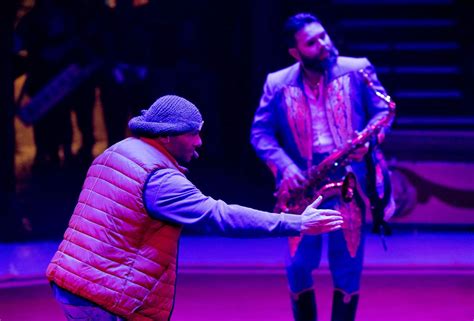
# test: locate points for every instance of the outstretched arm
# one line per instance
(171, 197)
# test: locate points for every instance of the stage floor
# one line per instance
(251, 297)
(424, 275)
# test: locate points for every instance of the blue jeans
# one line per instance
(87, 313)
(78, 308)
(346, 271)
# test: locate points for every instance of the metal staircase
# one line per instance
(420, 54)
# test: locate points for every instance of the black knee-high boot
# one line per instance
(344, 306)
(304, 306)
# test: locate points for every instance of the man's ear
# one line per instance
(294, 53)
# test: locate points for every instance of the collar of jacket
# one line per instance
(337, 68)
(164, 151)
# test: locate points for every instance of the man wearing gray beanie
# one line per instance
(117, 260)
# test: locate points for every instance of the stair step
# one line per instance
(394, 2)
(396, 23)
(408, 9)
(427, 46)
(438, 94)
(425, 70)
(404, 58)
(447, 121)
(415, 34)
(421, 85)
(405, 46)
(432, 108)
(421, 78)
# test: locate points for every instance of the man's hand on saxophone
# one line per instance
(293, 178)
(315, 221)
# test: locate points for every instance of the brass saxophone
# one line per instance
(318, 176)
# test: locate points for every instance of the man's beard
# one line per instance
(318, 65)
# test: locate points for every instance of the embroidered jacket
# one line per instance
(282, 131)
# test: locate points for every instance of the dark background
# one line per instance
(221, 52)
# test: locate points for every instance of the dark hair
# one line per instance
(294, 24)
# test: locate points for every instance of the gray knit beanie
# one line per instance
(168, 116)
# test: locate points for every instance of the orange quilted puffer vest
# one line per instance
(113, 253)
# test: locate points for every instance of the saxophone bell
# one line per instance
(345, 188)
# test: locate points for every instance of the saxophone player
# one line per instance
(307, 111)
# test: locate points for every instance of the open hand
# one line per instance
(315, 221)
